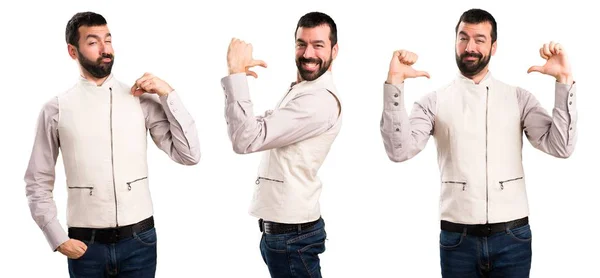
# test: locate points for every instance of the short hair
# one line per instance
(475, 16)
(314, 19)
(78, 20)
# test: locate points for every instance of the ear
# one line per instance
(72, 51)
(334, 51)
(494, 46)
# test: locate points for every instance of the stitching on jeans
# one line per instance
(513, 236)
(305, 236)
(302, 258)
(462, 237)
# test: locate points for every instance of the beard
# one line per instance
(98, 68)
(312, 75)
(472, 68)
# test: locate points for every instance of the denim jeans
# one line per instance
(294, 254)
(132, 257)
(505, 254)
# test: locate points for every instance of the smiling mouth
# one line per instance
(310, 66)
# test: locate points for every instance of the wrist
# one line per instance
(235, 70)
(394, 79)
(566, 78)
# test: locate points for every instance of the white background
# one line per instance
(381, 217)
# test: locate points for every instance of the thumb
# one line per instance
(251, 73)
(258, 63)
(535, 68)
(422, 74)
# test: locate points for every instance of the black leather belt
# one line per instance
(483, 229)
(111, 235)
(274, 228)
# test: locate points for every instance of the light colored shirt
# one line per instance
(171, 127)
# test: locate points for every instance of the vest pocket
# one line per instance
(258, 180)
(129, 183)
(458, 183)
(502, 183)
(90, 188)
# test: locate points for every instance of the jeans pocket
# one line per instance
(275, 243)
(450, 240)
(521, 234)
(147, 238)
(309, 254)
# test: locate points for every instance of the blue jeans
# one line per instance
(132, 257)
(294, 254)
(504, 254)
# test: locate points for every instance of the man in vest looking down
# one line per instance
(295, 138)
(100, 125)
(478, 123)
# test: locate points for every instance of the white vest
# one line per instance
(478, 135)
(102, 134)
(287, 188)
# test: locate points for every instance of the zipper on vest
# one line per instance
(112, 157)
(464, 184)
(502, 182)
(487, 194)
(85, 187)
(261, 178)
(134, 181)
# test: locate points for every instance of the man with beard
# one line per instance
(295, 137)
(478, 123)
(100, 126)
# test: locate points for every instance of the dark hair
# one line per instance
(78, 20)
(314, 19)
(475, 16)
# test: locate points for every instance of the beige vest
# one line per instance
(287, 188)
(102, 135)
(479, 140)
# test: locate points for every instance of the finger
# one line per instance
(403, 54)
(536, 69)
(551, 47)
(542, 54)
(142, 79)
(258, 63)
(422, 74)
(251, 73)
(138, 92)
(557, 49)
(396, 54)
(547, 51)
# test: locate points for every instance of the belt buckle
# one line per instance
(114, 236)
(486, 230)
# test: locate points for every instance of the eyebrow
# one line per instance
(313, 42)
(477, 35)
(97, 37)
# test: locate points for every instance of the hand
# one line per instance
(557, 64)
(149, 83)
(401, 67)
(239, 58)
(72, 248)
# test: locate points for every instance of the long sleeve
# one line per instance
(404, 136)
(40, 176)
(172, 128)
(554, 135)
(307, 115)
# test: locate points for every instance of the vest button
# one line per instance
(395, 104)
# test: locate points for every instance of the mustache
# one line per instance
(105, 55)
(468, 54)
(310, 60)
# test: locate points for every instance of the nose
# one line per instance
(471, 46)
(309, 52)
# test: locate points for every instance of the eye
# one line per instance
(109, 42)
(463, 39)
(319, 46)
(91, 43)
(480, 41)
